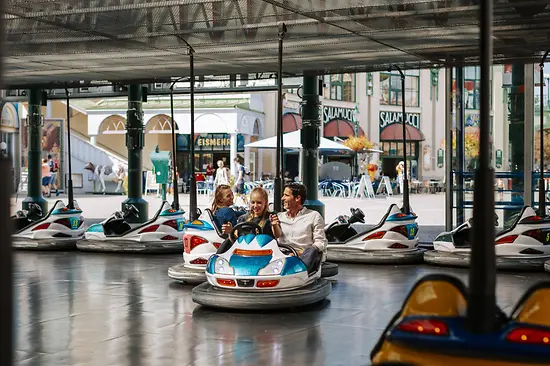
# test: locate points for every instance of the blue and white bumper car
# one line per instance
(251, 272)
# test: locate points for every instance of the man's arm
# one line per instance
(319, 238)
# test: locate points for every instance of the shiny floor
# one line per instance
(98, 309)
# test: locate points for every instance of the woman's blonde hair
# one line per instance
(264, 216)
(218, 197)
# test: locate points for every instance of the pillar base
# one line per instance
(143, 208)
(316, 205)
(38, 200)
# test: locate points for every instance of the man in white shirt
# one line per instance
(302, 228)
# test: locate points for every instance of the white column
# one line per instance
(93, 139)
(233, 152)
(246, 152)
(49, 111)
(259, 163)
(300, 165)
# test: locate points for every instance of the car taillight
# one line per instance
(377, 235)
(535, 234)
(401, 230)
(195, 241)
(529, 335)
(172, 223)
(424, 326)
(168, 237)
(507, 239)
(64, 222)
(149, 229)
(267, 283)
(228, 283)
(199, 261)
(398, 246)
(217, 245)
(43, 226)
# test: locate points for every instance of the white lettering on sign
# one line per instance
(202, 141)
(331, 113)
(387, 118)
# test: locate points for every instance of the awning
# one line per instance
(292, 122)
(394, 132)
(341, 128)
(291, 140)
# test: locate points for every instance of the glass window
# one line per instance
(391, 91)
(341, 87)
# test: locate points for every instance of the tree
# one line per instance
(358, 144)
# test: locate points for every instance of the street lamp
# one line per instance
(406, 208)
(176, 203)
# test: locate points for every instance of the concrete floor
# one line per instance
(99, 309)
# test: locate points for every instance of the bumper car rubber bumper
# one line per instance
(515, 263)
(44, 244)
(182, 274)
(129, 246)
(547, 266)
(398, 256)
(207, 295)
(329, 269)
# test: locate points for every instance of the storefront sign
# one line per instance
(387, 118)
(440, 158)
(498, 158)
(331, 113)
(213, 142)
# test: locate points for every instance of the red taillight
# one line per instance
(172, 223)
(267, 283)
(398, 246)
(64, 222)
(507, 239)
(149, 229)
(217, 245)
(532, 218)
(535, 234)
(401, 230)
(377, 235)
(424, 326)
(192, 242)
(168, 237)
(199, 261)
(529, 335)
(42, 227)
(228, 283)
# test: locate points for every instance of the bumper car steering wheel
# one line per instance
(131, 210)
(244, 228)
(288, 250)
(359, 215)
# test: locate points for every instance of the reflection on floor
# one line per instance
(95, 309)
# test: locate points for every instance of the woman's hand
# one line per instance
(226, 228)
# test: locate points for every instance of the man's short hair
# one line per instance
(298, 189)
(49, 156)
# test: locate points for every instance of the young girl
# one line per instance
(221, 207)
(259, 214)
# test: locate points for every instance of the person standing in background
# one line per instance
(46, 178)
(54, 168)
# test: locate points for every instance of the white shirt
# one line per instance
(307, 228)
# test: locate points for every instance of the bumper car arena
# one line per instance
(322, 195)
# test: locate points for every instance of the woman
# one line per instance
(222, 178)
(221, 207)
(258, 214)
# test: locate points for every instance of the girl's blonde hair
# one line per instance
(264, 216)
(218, 197)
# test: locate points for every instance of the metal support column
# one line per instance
(542, 185)
(135, 139)
(449, 148)
(459, 145)
(310, 138)
(6, 271)
(278, 181)
(193, 180)
(528, 152)
(482, 300)
(34, 131)
(517, 135)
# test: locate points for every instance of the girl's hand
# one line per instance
(274, 220)
(226, 228)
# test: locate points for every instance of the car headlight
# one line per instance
(222, 267)
(273, 268)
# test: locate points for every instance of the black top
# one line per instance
(266, 229)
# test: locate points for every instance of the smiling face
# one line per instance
(258, 203)
(290, 202)
(227, 197)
